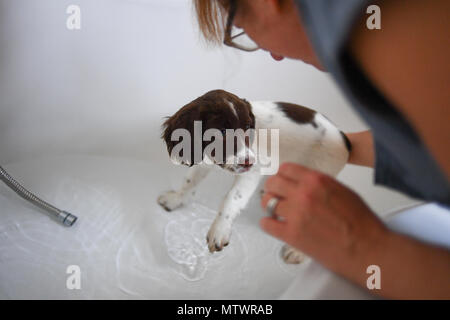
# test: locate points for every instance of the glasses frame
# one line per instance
(228, 39)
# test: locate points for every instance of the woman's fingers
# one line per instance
(279, 186)
(273, 227)
(292, 171)
(282, 207)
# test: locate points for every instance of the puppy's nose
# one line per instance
(248, 161)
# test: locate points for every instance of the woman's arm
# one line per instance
(408, 60)
(411, 269)
(331, 223)
(362, 153)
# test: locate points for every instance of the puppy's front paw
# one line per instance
(170, 200)
(291, 255)
(219, 235)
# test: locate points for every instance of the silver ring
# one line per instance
(271, 205)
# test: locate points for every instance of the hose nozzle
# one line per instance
(64, 217)
(67, 218)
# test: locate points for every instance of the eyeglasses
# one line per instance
(234, 37)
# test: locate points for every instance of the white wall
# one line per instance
(105, 88)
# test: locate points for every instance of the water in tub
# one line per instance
(124, 244)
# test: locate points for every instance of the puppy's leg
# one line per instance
(171, 200)
(291, 255)
(235, 201)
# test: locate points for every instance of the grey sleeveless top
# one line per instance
(402, 161)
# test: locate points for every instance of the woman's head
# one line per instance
(274, 25)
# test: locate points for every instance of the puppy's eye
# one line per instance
(247, 126)
(224, 132)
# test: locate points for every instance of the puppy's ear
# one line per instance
(183, 119)
(167, 129)
(169, 125)
(250, 111)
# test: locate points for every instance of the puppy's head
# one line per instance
(220, 127)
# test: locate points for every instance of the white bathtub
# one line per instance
(80, 114)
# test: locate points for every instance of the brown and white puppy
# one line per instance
(219, 110)
(235, 126)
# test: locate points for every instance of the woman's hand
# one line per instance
(331, 223)
(324, 219)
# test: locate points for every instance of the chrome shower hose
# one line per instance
(64, 217)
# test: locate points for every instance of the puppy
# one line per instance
(304, 136)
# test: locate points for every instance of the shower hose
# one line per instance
(63, 217)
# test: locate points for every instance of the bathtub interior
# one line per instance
(126, 245)
(80, 118)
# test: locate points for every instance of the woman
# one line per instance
(398, 79)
